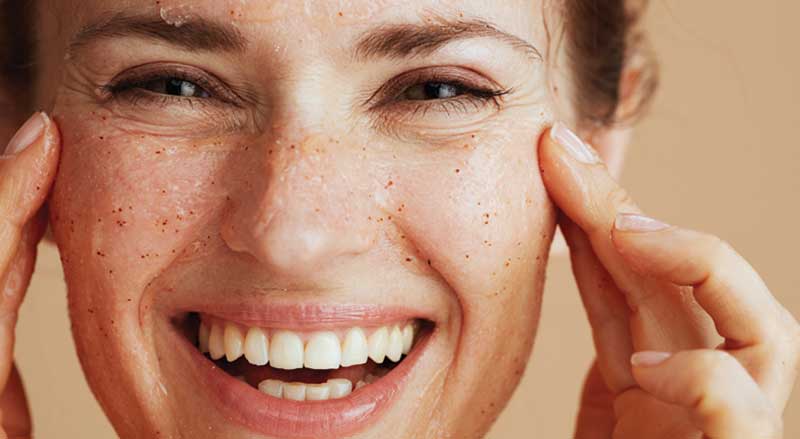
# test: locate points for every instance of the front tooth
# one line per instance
(408, 338)
(323, 351)
(355, 349)
(294, 391)
(394, 349)
(378, 341)
(286, 351)
(340, 387)
(233, 339)
(256, 347)
(271, 387)
(202, 337)
(317, 392)
(216, 346)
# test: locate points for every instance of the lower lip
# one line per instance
(272, 416)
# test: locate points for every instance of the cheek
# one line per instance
(123, 204)
(480, 215)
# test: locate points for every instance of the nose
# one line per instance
(302, 209)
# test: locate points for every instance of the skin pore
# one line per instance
(315, 158)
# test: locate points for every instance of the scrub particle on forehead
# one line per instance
(174, 16)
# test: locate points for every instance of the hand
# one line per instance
(720, 354)
(27, 169)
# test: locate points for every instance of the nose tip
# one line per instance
(302, 213)
(296, 246)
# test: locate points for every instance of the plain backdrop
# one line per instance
(717, 152)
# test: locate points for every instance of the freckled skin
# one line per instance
(153, 205)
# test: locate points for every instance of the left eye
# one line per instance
(175, 87)
(432, 90)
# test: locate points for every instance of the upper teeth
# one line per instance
(284, 349)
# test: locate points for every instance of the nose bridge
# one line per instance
(304, 212)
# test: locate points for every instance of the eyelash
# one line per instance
(132, 88)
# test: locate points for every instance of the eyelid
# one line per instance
(134, 77)
(467, 78)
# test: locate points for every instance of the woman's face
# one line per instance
(285, 172)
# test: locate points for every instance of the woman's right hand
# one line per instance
(27, 169)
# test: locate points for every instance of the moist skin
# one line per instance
(296, 197)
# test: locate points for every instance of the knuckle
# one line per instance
(711, 363)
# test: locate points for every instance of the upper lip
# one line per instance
(303, 315)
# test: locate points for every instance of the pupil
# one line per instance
(174, 87)
(439, 90)
(179, 87)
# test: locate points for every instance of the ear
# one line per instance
(612, 145)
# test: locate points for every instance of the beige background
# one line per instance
(718, 152)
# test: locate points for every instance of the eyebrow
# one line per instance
(406, 39)
(196, 34)
(391, 40)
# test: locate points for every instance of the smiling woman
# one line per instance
(319, 220)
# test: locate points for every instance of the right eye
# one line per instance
(175, 87)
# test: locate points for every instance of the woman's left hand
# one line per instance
(689, 341)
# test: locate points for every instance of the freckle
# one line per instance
(467, 256)
(458, 170)
(341, 14)
(369, 218)
(270, 151)
(402, 236)
(408, 259)
(390, 183)
(37, 187)
(102, 138)
(429, 262)
(291, 146)
(110, 271)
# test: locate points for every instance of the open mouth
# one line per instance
(292, 382)
(305, 366)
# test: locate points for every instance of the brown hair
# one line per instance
(603, 42)
(16, 49)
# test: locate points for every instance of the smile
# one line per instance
(304, 379)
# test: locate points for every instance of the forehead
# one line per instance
(316, 22)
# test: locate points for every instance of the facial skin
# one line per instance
(305, 176)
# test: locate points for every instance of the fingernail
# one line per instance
(631, 222)
(649, 358)
(573, 144)
(31, 130)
